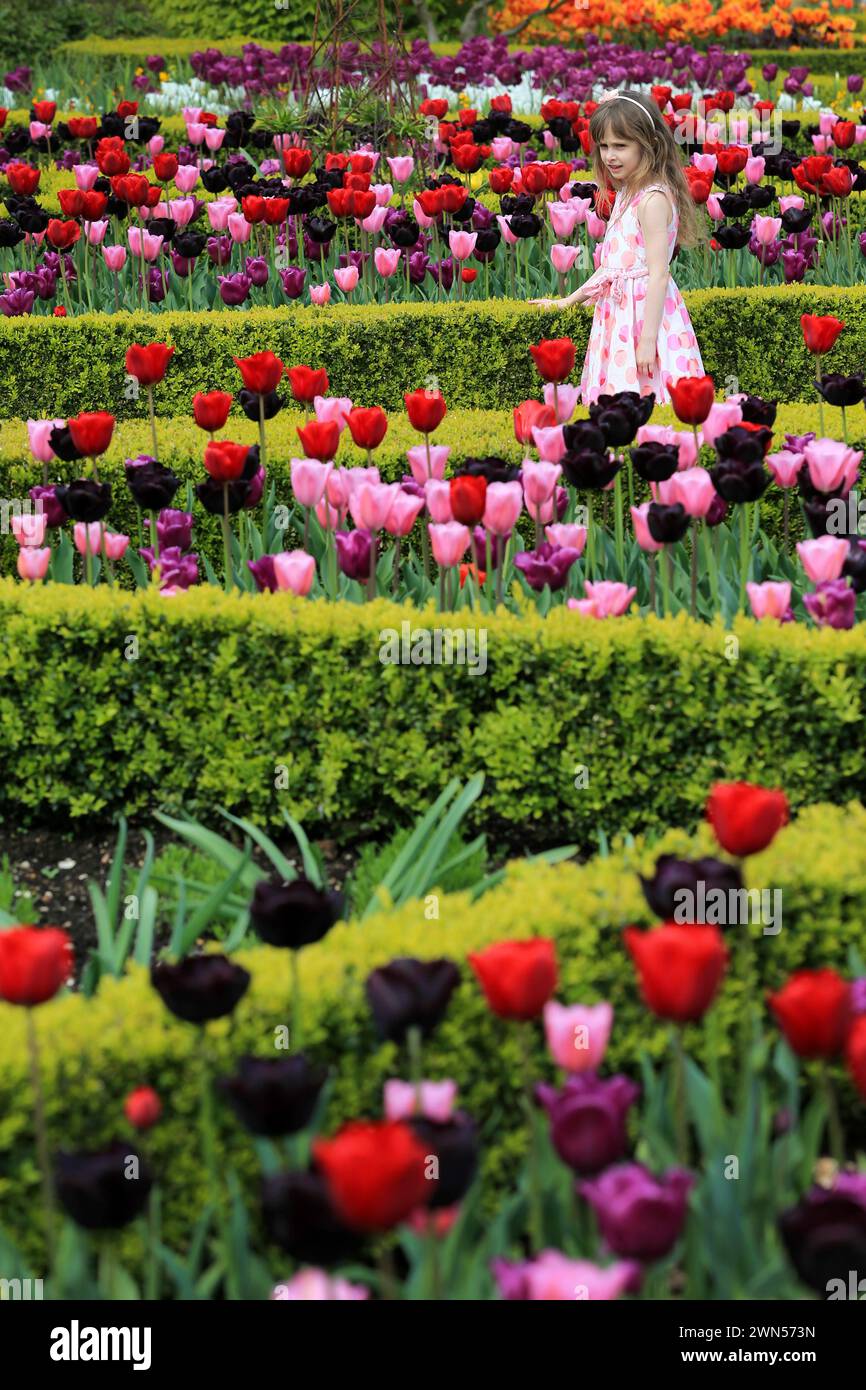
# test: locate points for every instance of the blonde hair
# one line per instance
(660, 160)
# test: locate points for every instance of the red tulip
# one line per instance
(432, 202)
(142, 1108)
(518, 977)
(820, 332)
(276, 211)
(426, 410)
(692, 398)
(261, 372)
(500, 180)
(70, 200)
(468, 274)
(844, 134)
(211, 411)
(375, 1172)
(554, 358)
(467, 499)
(529, 415)
(165, 166)
(320, 439)
(35, 962)
(307, 383)
(253, 208)
(732, 161)
(62, 234)
(434, 106)
(225, 461)
(367, 426)
(129, 108)
(535, 178)
(297, 161)
(111, 157)
(501, 103)
(44, 111)
(813, 1010)
(340, 201)
(680, 968)
(148, 364)
(131, 189)
(745, 818)
(358, 180)
(93, 205)
(454, 195)
(59, 311)
(91, 433)
(837, 182)
(855, 1053)
(82, 127)
(810, 171)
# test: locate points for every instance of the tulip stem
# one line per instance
(744, 553)
(712, 567)
(88, 555)
(786, 509)
(536, 1222)
(652, 582)
(694, 568)
(665, 577)
(590, 537)
(834, 1126)
(263, 452)
(844, 426)
(154, 536)
(371, 577)
(296, 1001)
(227, 544)
(413, 1038)
(108, 570)
(395, 577)
(680, 1115)
(41, 1134)
(152, 421)
(617, 523)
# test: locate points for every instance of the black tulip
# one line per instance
(716, 512)
(238, 174)
(199, 988)
(633, 400)
(512, 203)
(817, 513)
(495, 470)
(210, 492)
(790, 130)
(825, 1237)
(455, 1144)
(525, 225)
(33, 220)
(465, 211)
(584, 435)
(10, 233)
(103, 1190)
(854, 567)
(759, 195)
(737, 480)
(519, 131)
(300, 1217)
(747, 446)
(488, 239)
(559, 126)
(214, 179)
(409, 993)
(320, 230)
(293, 914)
(249, 404)
(190, 244)
(733, 236)
(84, 500)
(274, 1096)
(404, 231)
(840, 390)
(585, 469)
(796, 220)
(16, 140)
(63, 445)
(164, 227)
(667, 524)
(152, 485)
(654, 462)
(672, 876)
(733, 205)
(619, 424)
(757, 411)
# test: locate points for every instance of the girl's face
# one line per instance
(619, 157)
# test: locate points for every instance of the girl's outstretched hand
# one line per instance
(550, 303)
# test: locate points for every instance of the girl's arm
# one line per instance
(576, 298)
(653, 214)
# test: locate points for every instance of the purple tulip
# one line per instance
(234, 289)
(855, 82)
(157, 285)
(182, 264)
(796, 443)
(639, 1215)
(255, 489)
(408, 484)
(257, 270)
(443, 271)
(767, 253)
(219, 248)
(51, 508)
(173, 528)
(547, 565)
(176, 570)
(479, 548)
(293, 281)
(353, 553)
(264, 574)
(356, 258)
(769, 71)
(794, 266)
(15, 303)
(155, 63)
(832, 604)
(717, 512)
(863, 242)
(419, 264)
(588, 1119)
(858, 995)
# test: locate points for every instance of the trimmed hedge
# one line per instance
(477, 352)
(95, 1051)
(226, 690)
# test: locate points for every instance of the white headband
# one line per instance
(620, 96)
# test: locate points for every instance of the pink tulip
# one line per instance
(28, 528)
(214, 138)
(95, 231)
(564, 257)
(402, 167)
(182, 210)
(565, 194)
(766, 229)
(567, 534)
(191, 113)
(315, 1286)
(604, 599)
(155, 145)
(437, 494)
(294, 570)
(755, 168)
(503, 504)
(115, 257)
(421, 216)
(357, 477)
(567, 398)
(583, 206)
(501, 146)
(80, 533)
(539, 481)
(449, 542)
(462, 244)
(723, 415)
(714, 207)
(334, 408)
(115, 544)
(238, 227)
(705, 163)
(375, 221)
(553, 1277)
(39, 432)
(347, 278)
(832, 464)
(309, 477)
(320, 294)
(656, 434)
(563, 218)
(549, 442)
(739, 129)
(785, 467)
(596, 226)
(693, 488)
(144, 243)
(384, 193)
(417, 457)
(859, 134)
(403, 513)
(437, 1099)
(331, 518)
(370, 504)
(386, 260)
(186, 178)
(826, 122)
(577, 1035)
(642, 531)
(505, 228)
(822, 143)
(769, 600)
(33, 563)
(822, 559)
(792, 200)
(38, 130)
(218, 213)
(85, 176)
(195, 132)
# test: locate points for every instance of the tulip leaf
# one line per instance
(216, 846)
(146, 924)
(207, 910)
(238, 932)
(312, 866)
(283, 866)
(140, 572)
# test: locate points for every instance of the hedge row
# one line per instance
(95, 1051)
(470, 433)
(224, 691)
(477, 353)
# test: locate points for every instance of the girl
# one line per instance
(641, 331)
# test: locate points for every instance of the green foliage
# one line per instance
(374, 862)
(95, 1051)
(227, 688)
(32, 33)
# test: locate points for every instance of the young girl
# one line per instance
(641, 331)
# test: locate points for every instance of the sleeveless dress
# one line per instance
(618, 289)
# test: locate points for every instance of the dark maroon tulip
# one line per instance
(588, 1119)
(639, 1216)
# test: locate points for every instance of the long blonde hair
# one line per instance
(660, 160)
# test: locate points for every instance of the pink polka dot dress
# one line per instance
(618, 288)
